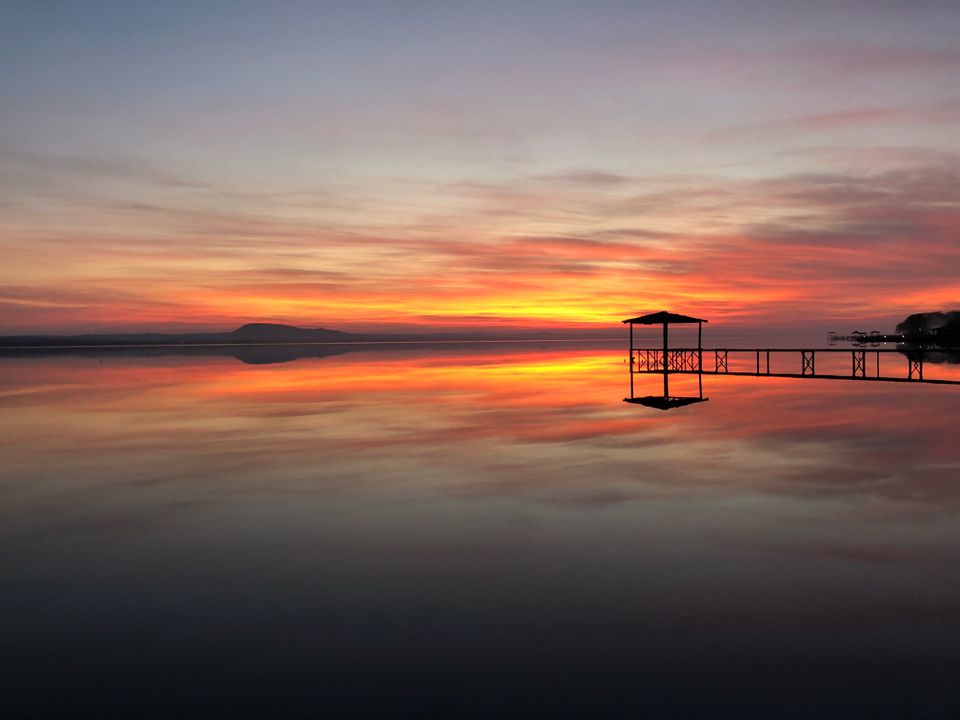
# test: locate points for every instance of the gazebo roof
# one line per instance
(663, 318)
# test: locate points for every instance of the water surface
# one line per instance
(471, 531)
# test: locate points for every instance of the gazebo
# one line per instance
(666, 319)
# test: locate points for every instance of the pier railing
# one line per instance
(865, 364)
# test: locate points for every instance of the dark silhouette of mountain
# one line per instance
(273, 332)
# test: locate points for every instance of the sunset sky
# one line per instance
(394, 165)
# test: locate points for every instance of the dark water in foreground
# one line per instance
(471, 532)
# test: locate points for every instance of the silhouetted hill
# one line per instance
(273, 332)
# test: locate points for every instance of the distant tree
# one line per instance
(942, 326)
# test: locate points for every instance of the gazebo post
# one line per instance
(665, 345)
(700, 346)
(666, 392)
(631, 359)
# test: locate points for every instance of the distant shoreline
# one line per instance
(463, 341)
(263, 334)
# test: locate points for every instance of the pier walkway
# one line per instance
(864, 364)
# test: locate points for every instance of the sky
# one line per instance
(380, 165)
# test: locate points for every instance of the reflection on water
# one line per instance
(471, 531)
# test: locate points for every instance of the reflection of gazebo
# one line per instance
(682, 358)
(665, 402)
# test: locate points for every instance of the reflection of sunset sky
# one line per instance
(368, 166)
(548, 425)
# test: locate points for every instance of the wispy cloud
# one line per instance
(945, 113)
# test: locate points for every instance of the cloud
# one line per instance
(589, 178)
(823, 244)
(49, 168)
(945, 113)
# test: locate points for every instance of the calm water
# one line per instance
(478, 531)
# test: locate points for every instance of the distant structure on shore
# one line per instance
(859, 337)
(930, 329)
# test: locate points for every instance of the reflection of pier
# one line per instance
(865, 364)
